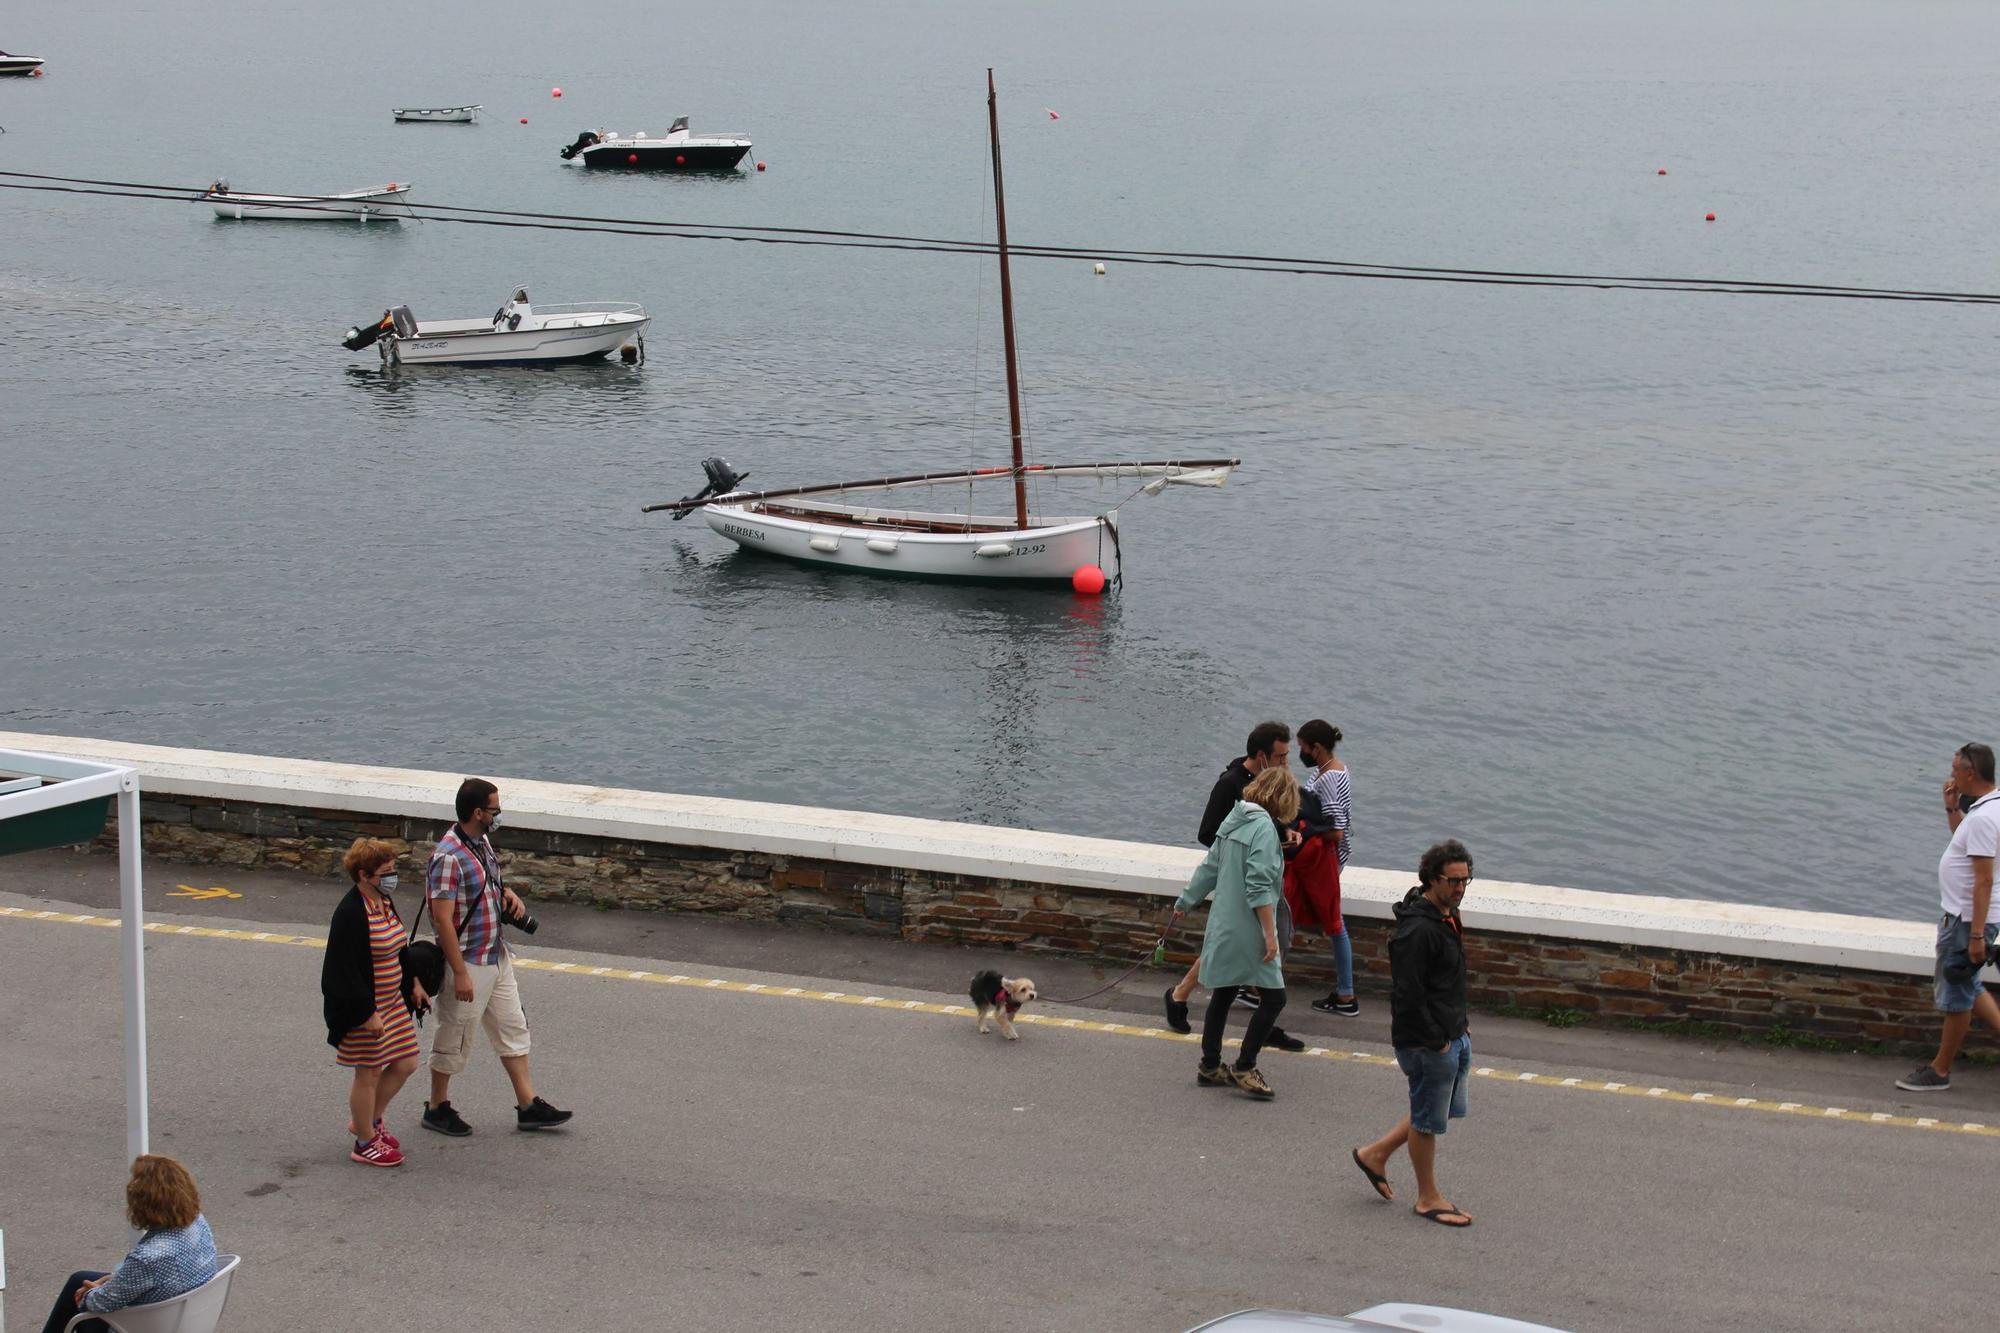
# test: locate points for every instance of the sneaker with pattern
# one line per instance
(378, 1151)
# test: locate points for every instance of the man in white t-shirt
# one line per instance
(1966, 931)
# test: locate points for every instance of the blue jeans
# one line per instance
(67, 1309)
(1343, 963)
(1437, 1083)
(1957, 979)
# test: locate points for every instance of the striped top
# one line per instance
(1335, 790)
(166, 1262)
(467, 874)
(398, 1038)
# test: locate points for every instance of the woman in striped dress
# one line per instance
(368, 1021)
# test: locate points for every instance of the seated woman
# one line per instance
(174, 1256)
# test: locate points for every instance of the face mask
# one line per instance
(388, 883)
(493, 823)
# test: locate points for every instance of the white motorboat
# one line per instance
(680, 150)
(372, 202)
(517, 334)
(437, 115)
(27, 66)
(822, 525)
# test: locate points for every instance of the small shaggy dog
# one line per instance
(1000, 998)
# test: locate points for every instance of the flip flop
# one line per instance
(1378, 1180)
(1443, 1216)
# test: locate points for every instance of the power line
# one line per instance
(838, 239)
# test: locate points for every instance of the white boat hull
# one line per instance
(348, 207)
(851, 537)
(22, 65)
(436, 115)
(473, 342)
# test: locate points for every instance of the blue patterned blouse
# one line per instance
(167, 1262)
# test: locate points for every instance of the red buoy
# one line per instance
(1711, 217)
(1088, 580)
(524, 120)
(555, 92)
(680, 161)
(1663, 171)
(631, 159)
(760, 166)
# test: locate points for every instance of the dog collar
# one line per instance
(1013, 1005)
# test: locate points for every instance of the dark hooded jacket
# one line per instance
(1228, 790)
(1426, 975)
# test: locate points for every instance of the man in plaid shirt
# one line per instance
(468, 905)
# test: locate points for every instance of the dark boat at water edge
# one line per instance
(677, 150)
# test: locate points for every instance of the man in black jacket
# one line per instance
(1269, 746)
(1427, 1024)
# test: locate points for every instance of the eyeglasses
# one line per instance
(489, 809)
(1455, 881)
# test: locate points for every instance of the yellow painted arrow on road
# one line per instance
(204, 895)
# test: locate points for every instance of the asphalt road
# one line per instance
(752, 1161)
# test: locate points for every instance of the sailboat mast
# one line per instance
(1007, 310)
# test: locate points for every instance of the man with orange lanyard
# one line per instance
(1427, 1024)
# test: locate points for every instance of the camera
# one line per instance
(523, 922)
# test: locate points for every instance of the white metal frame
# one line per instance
(75, 780)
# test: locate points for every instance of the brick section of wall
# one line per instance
(1609, 982)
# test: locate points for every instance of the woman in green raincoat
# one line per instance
(1243, 876)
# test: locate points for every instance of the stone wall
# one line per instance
(1509, 972)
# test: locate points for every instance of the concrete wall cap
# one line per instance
(937, 846)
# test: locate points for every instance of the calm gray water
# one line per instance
(1657, 593)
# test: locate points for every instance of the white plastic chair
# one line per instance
(197, 1311)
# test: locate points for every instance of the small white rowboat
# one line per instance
(437, 115)
(377, 201)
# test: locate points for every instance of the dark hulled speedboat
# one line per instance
(678, 150)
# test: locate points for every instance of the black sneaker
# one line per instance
(1924, 1079)
(1333, 1004)
(1249, 998)
(1177, 1013)
(538, 1114)
(1281, 1040)
(445, 1120)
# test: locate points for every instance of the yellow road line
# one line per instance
(1557, 1081)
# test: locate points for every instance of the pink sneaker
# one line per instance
(378, 1152)
(382, 1132)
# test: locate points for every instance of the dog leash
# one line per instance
(1158, 956)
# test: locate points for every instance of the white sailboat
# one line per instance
(823, 525)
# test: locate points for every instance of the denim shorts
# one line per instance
(1437, 1083)
(1955, 995)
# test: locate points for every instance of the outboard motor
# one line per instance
(359, 337)
(585, 140)
(396, 319)
(722, 479)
